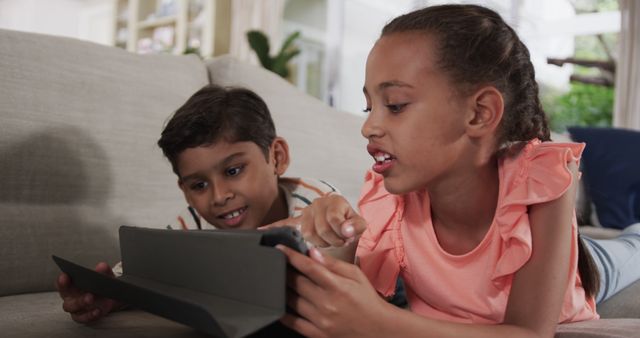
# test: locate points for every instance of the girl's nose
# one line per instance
(371, 127)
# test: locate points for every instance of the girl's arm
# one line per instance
(539, 286)
(335, 299)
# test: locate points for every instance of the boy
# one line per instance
(223, 147)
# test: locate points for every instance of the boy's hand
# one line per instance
(85, 307)
(328, 221)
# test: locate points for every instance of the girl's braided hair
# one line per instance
(476, 47)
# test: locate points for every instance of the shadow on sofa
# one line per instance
(59, 178)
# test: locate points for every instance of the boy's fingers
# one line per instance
(326, 231)
(336, 215)
(353, 228)
(105, 269)
(358, 223)
(308, 229)
(86, 317)
(63, 285)
(79, 303)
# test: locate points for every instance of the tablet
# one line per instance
(226, 283)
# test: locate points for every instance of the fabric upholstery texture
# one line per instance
(77, 143)
(39, 315)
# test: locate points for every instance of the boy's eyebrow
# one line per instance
(223, 163)
(388, 84)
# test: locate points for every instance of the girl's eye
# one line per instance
(234, 171)
(396, 108)
(197, 186)
(366, 110)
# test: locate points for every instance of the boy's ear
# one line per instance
(487, 108)
(280, 155)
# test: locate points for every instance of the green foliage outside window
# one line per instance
(583, 105)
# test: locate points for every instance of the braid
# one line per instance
(524, 118)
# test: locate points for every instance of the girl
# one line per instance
(467, 201)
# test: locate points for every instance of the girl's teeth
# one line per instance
(381, 157)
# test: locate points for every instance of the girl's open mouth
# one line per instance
(384, 161)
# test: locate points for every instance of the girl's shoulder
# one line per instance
(538, 172)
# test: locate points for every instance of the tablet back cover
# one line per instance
(221, 282)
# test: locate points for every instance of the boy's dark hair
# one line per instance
(476, 47)
(216, 113)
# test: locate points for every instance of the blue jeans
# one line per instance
(617, 259)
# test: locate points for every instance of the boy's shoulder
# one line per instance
(307, 186)
(300, 192)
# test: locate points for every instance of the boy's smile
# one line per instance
(233, 217)
(231, 184)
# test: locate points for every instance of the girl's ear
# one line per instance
(280, 155)
(487, 108)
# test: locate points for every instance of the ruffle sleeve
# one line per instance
(379, 249)
(539, 174)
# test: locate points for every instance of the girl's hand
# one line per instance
(328, 221)
(331, 298)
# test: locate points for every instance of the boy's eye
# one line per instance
(366, 110)
(396, 108)
(197, 186)
(234, 171)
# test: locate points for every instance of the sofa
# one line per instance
(78, 158)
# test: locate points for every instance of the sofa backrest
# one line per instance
(78, 157)
(324, 143)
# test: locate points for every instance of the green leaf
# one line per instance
(278, 64)
(287, 43)
(260, 44)
(289, 55)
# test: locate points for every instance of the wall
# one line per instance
(89, 20)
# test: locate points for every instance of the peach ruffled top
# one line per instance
(473, 287)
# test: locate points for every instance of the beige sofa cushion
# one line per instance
(77, 143)
(42, 311)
